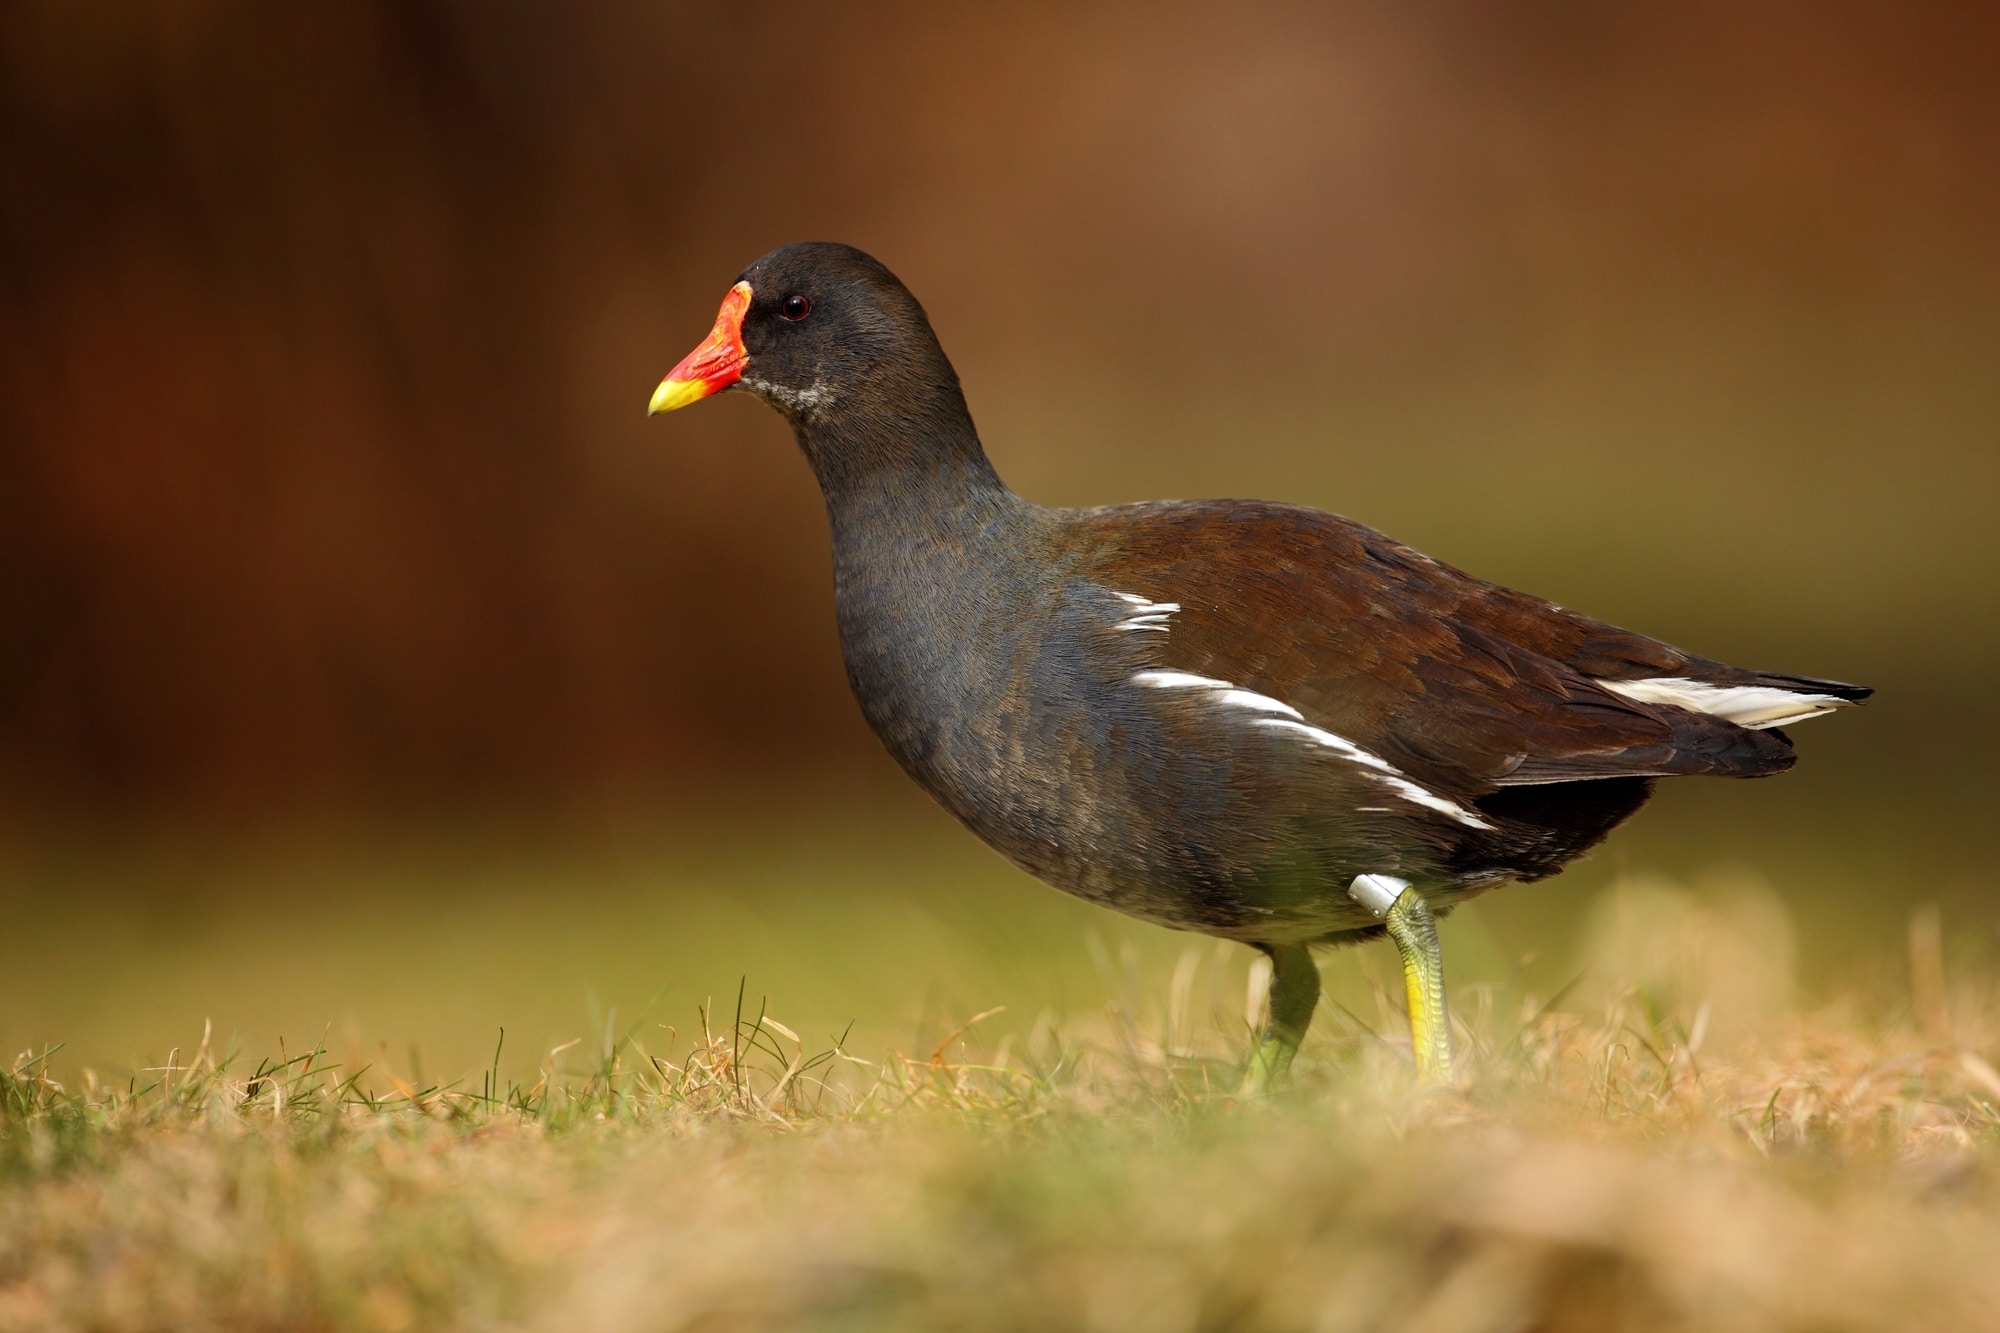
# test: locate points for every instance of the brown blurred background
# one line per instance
(326, 333)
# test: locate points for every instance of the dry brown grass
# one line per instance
(1641, 1157)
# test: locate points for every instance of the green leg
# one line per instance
(1294, 993)
(1413, 928)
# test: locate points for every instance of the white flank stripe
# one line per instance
(1262, 703)
(1753, 706)
(1145, 613)
(1176, 680)
(1292, 720)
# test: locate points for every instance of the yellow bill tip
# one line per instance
(674, 393)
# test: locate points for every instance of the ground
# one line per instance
(1616, 1162)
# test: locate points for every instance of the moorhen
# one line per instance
(1248, 719)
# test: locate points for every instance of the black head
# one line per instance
(825, 334)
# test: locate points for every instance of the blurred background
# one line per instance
(370, 665)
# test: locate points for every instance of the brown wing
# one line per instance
(1464, 685)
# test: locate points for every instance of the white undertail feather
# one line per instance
(1752, 706)
(1292, 720)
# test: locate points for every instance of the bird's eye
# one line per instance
(795, 307)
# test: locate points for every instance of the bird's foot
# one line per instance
(1270, 1067)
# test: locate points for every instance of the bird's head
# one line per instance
(817, 330)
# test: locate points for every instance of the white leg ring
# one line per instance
(1377, 893)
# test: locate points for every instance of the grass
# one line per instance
(1641, 1155)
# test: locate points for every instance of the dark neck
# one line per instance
(906, 459)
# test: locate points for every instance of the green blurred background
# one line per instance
(371, 666)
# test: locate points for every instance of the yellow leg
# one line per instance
(1408, 917)
(1294, 993)
(1415, 931)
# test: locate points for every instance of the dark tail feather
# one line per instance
(1853, 694)
(1700, 746)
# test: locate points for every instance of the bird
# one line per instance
(1244, 718)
